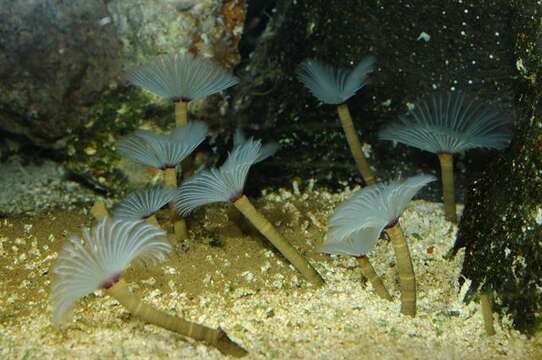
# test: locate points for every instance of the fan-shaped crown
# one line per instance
(97, 261)
(357, 223)
(163, 151)
(333, 85)
(450, 123)
(266, 151)
(181, 76)
(143, 203)
(219, 185)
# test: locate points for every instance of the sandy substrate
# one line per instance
(226, 275)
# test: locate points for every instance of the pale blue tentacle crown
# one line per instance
(357, 223)
(85, 265)
(450, 123)
(333, 85)
(181, 76)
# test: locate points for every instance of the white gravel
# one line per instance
(342, 320)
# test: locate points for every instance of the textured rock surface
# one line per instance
(502, 221)
(60, 67)
(56, 59)
(61, 60)
(469, 48)
(208, 27)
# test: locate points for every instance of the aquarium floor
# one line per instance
(226, 275)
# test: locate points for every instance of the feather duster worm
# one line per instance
(226, 184)
(335, 86)
(98, 261)
(446, 124)
(357, 224)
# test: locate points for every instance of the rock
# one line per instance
(501, 227)
(57, 58)
(60, 59)
(61, 68)
(208, 27)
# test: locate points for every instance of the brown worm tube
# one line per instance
(170, 177)
(407, 278)
(355, 145)
(179, 224)
(284, 247)
(181, 119)
(487, 313)
(448, 191)
(145, 312)
(376, 281)
(99, 211)
(181, 113)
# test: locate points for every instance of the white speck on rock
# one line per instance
(538, 216)
(424, 36)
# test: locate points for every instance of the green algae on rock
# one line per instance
(91, 155)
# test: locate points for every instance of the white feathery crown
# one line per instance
(357, 223)
(219, 185)
(450, 123)
(162, 151)
(267, 150)
(332, 85)
(181, 77)
(143, 203)
(97, 260)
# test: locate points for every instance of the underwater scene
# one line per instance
(270, 179)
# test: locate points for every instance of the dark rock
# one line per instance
(501, 227)
(470, 48)
(57, 59)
